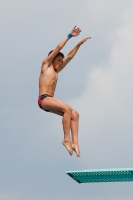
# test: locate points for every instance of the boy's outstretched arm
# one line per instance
(74, 32)
(72, 53)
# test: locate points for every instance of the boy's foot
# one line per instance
(68, 146)
(75, 148)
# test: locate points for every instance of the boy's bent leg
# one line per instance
(58, 107)
(74, 130)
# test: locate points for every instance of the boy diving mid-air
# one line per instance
(51, 66)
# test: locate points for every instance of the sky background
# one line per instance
(97, 83)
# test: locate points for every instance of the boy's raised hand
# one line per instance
(84, 40)
(75, 31)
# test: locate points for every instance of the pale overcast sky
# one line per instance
(97, 83)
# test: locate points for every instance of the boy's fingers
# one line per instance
(78, 29)
(87, 38)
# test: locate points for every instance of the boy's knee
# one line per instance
(75, 114)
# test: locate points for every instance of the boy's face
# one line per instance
(57, 62)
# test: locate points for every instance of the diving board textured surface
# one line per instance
(102, 175)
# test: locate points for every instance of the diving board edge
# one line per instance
(102, 175)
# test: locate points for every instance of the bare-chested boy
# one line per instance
(51, 66)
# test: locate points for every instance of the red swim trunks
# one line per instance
(40, 99)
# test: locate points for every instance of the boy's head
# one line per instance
(58, 54)
(58, 60)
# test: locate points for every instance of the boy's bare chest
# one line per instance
(49, 75)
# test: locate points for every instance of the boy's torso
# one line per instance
(47, 80)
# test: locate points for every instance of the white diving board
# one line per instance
(102, 175)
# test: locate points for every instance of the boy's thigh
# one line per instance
(54, 105)
(57, 112)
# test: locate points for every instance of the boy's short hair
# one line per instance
(58, 54)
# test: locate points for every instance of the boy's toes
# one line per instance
(76, 149)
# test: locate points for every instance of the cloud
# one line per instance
(107, 105)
